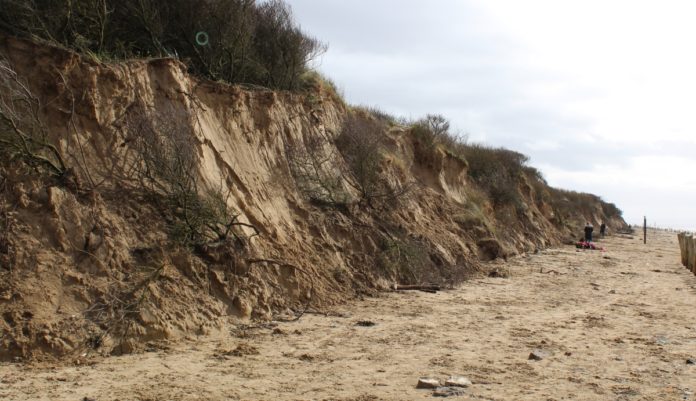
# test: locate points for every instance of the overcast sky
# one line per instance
(600, 94)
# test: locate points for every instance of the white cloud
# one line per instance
(600, 94)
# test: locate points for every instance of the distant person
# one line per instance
(602, 230)
(588, 232)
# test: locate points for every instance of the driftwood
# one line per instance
(424, 288)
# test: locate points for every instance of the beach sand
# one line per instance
(612, 325)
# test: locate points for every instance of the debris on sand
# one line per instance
(457, 381)
(537, 355)
(448, 392)
(454, 386)
(428, 382)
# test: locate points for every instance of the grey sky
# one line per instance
(600, 94)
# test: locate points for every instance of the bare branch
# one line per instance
(22, 132)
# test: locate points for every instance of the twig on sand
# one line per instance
(425, 288)
(541, 270)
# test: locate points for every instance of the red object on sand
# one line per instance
(588, 245)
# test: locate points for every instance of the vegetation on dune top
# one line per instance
(238, 41)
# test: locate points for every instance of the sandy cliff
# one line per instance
(88, 261)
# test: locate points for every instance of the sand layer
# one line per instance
(613, 325)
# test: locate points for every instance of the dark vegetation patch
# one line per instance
(238, 41)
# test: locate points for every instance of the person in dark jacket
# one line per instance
(588, 232)
(602, 230)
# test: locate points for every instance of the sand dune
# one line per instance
(613, 325)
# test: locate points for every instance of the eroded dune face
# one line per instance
(100, 261)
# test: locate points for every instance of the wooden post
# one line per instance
(645, 230)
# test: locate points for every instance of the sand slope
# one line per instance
(614, 325)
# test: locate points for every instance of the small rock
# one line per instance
(448, 392)
(365, 323)
(428, 382)
(537, 355)
(568, 353)
(691, 361)
(662, 340)
(612, 292)
(458, 381)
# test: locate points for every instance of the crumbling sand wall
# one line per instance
(92, 268)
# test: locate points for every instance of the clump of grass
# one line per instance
(314, 83)
(377, 113)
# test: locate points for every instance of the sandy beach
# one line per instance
(618, 324)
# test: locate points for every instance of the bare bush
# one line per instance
(240, 41)
(281, 47)
(576, 208)
(412, 260)
(316, 169)
(405, 260)
(168, 166)
(433, 130)
(360, 143)
(23, 135)
(118, 309)
(611, 210)
(497, 171)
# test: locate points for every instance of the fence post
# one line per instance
(687, 247)
(645, 230)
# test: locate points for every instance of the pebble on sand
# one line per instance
(537, 355)
(457, 381)
(428, 382)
